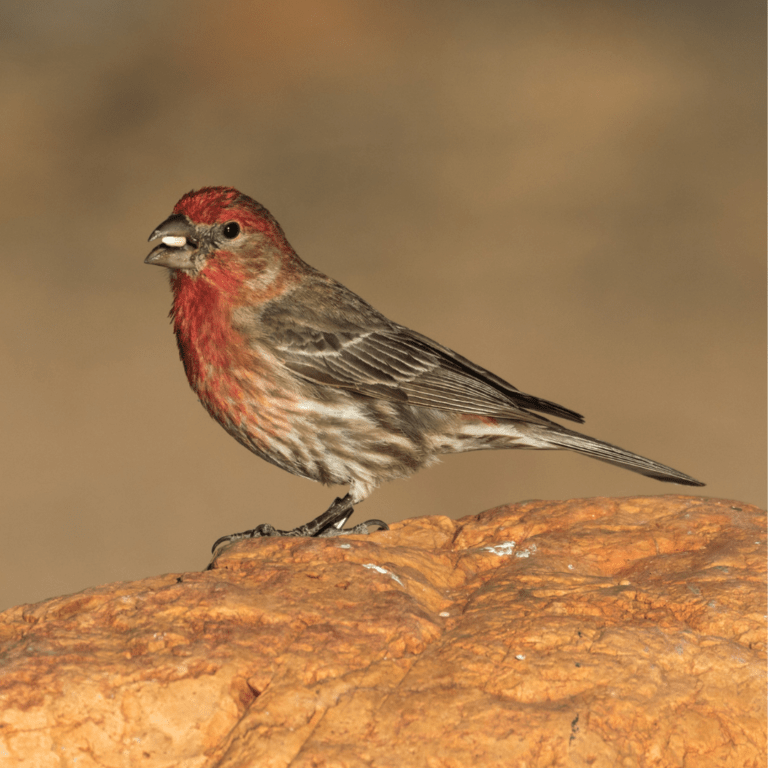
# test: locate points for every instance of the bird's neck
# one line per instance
(202, 310)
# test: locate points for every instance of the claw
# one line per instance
(329, 524)
(382, 525)
(260, 530)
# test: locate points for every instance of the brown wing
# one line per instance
(330, 336)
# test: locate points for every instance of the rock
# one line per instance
(592, 632)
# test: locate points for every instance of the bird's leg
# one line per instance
(330, 523)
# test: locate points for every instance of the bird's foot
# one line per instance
(329, 524)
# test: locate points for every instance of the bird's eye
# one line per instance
(231, 230)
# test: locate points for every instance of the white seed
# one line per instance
(174, 242)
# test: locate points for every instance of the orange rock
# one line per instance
(595, 632)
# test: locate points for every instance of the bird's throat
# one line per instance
(210, 348)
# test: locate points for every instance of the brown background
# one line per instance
(569, 194)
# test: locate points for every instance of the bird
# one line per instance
(310, 377)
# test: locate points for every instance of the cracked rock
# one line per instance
(596, 632)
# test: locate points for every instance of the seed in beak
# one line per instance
(174, 242)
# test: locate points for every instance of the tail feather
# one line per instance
(612, 454)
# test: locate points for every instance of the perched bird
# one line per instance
(310, 377)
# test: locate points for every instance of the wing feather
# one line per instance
(341, 341)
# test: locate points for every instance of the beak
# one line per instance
(178, 243)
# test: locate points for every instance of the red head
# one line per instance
(223, 236)
(218, 205)
(228, 257)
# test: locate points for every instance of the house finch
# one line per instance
(309, 376)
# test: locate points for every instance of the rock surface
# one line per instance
(593, 632)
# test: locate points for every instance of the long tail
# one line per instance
(612, 454)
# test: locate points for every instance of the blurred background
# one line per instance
(572, 195)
